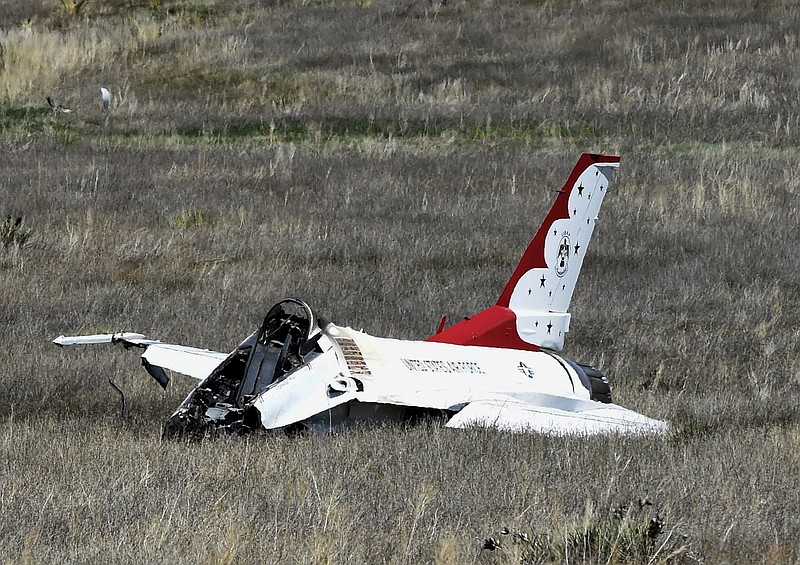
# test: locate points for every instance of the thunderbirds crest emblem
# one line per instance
(562, 259)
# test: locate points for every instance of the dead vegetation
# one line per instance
(388, 161)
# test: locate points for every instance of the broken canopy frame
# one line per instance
(286, 340)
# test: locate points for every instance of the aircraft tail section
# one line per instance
(540, 290)
(531, 312)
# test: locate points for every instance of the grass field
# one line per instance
(389, 161)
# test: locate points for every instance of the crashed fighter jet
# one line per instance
(497, 368)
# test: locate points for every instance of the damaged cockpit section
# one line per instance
(287, 338)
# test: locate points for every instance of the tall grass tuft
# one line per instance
(193, 218)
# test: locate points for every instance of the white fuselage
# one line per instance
(355, 367)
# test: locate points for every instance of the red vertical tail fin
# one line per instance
(531, 312)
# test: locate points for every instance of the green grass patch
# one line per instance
(28, 118)
(71, 129)
(37, 121)
(346, 128)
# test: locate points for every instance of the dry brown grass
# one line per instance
(388, 161)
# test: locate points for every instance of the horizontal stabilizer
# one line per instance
(554, 415)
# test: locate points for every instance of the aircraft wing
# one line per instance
(554, 415)
(190, 361)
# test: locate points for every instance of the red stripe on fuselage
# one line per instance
(493, 327)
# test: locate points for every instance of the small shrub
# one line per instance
(632, 533)
(14, 233)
